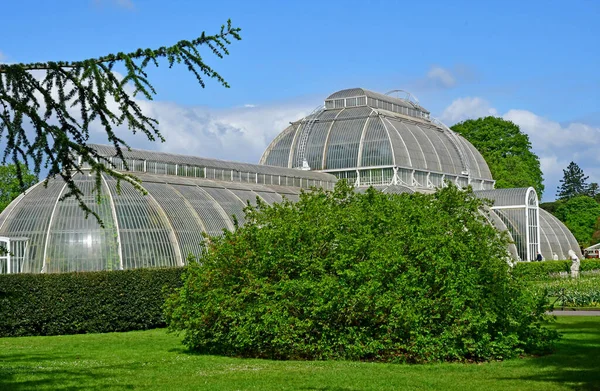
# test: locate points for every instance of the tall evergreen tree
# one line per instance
(47, 109)
(573, 183)
(594, 191)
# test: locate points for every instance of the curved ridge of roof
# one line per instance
(505, 197)
(164, 157)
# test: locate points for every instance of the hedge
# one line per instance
(542, 270)
(88, 302)
(590, 264)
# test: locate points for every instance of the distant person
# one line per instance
(575, 264)
(539, 257)
(555, 257)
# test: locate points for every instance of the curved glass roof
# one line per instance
(163, 158)
(556, 237)
(506, 197)
(159, 229)
(497, 223)
(541, 227)
(366, 136)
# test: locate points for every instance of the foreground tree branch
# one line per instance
(60, 100)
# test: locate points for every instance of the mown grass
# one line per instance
(155, 360)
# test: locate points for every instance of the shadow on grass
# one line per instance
(328, 388)
(576, 362)
(54, 377)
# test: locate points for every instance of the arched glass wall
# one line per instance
(532, 229)
(158, 229)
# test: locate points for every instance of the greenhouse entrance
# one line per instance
(519, 210)
(13, 253)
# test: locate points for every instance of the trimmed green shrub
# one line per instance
(343, 275)
(539, 271)
(536, 271)
(590, 264)
(90, 302)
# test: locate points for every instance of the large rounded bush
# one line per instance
(342, 275)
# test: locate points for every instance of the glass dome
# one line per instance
(372, 138)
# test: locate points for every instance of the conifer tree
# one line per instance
(573, 183)
(46, 109)
(594, 190)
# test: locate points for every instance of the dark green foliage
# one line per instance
(341, 275)
(594, 191)
(551, 207)
(11, 186)
(91, 302)
(506, 150)
(596, 234)
(573, 183)
(60, 100)
(580, 214)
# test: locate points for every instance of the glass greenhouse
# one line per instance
(368, 138)
(160, 229)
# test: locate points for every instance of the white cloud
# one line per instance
(558, 145)
(239, 134)
(555, 144)
(547, 134)
(466, 108)
(3, 57)
(441, 77)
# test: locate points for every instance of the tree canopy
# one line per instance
(506, 150)
(10, 184)
(580, 214)
(343, 275)
(574, 183)
(46, 109)
(594, 191)
(578, 205)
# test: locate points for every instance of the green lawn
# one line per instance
(155, 360)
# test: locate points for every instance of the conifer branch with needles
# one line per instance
(58, 108)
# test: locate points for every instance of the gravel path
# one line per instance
(576, 313)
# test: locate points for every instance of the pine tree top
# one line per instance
(46, 109)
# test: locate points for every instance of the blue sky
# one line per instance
(534, 62)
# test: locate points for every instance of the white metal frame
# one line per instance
(17, 249)
(5, 254)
